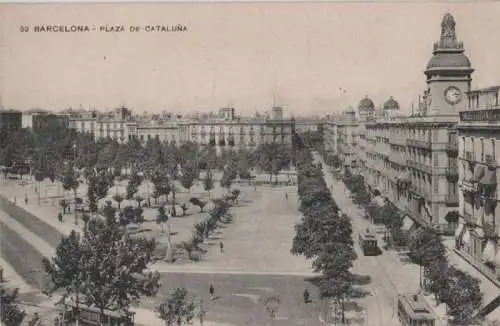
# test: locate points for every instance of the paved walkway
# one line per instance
(13, 280)
(252, 241)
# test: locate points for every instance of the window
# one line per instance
(493, 150)
(482, 149)
(436, 185)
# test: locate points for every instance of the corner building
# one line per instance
(413, 160)
(479, 144)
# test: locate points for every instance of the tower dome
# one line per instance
(391, 104)
(448, 53)
(366, 104)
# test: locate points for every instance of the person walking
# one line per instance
(211, 291)
(221, 245)
(60, 217)
(286, 195)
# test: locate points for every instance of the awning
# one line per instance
(380, 201)
(497, 258)
(489, 251)
(466, 237)
(408, 223)
(489, 178)
(479, 172)
(458, 230)
(479, 233)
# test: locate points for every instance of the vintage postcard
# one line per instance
(250, 163)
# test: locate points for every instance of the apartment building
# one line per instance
(412, 159)
(479, 143)
(225, 130)
(341, 138)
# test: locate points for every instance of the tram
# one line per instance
(368, 242)
(92, 316)
(413, 310)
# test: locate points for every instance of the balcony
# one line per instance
(451, 200)
(451, 174)
(489, 230)
(427, 144)
(469, 156)
(480, 115)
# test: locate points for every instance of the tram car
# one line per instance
(92, 317)
(368, 243)
(413, 310)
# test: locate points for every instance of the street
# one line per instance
(388, 275)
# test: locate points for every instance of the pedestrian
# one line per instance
(307, 296)
(211, 291)
(286, 196)
(60, 217)
(15, 200)
(221, 245)
(26, 199)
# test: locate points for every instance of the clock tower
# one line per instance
(448, 73)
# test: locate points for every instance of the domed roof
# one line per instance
(350, 110)
(452, 60)
(366, 104)
(391, 104)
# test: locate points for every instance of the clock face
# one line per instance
(453, 95)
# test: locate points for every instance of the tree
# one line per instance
(127, 216)
(162, 217)
(463, 296)
(133, 185)
(70, 182)
(197, 202)
(188, 176)
(201, 229)
(177, 309)
(226, 180)
(208, 183)
(438, 276)
(65, 268)
(118, 199)
(109, 213)
(115, 266)
(10, 313)
(425, 247)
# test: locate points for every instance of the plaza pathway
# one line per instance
(255, 266)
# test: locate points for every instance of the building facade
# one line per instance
(225, 130)
(412, 159)
(479, 142)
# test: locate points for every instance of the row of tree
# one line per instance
(458, 290)
(44, 152)
(324, 233)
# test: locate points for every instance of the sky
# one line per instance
(310, 57)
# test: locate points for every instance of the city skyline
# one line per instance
(249, 56)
